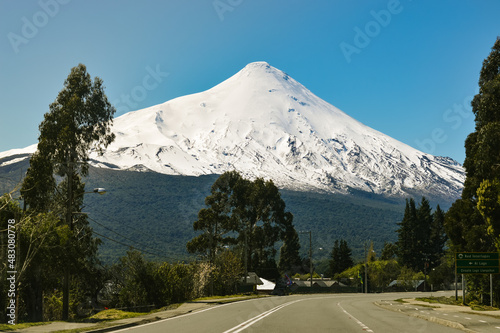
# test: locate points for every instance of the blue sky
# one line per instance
(406, 68)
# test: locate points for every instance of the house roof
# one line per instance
(252, 278)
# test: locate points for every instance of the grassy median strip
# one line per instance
(441, 300)
(452, 301)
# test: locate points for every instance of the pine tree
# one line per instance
(335, 259)
(340, 257)
(389, 251)
(345, 254)
(415, 248)
(424, 225)
(407, 238)
(438, 238)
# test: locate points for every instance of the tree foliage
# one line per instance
(78, 121)
(340, 258)
(467, 220)
(250, 215)
(421, 236)
(488, 205)
(472, 221)
(290, 261)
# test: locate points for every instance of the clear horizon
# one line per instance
(405, 68)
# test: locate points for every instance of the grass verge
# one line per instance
(441, 300)
(452, 301)
(112, 314)
(7, 327)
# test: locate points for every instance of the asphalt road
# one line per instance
(301, 313)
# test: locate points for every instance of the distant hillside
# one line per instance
(158, 211)
(155, 212)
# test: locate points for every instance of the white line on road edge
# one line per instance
(183, 315)
(366, 328)
(250, 322)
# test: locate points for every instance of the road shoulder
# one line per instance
(434, 312)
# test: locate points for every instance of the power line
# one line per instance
(129, 239)
(130, 227)
(128, 245)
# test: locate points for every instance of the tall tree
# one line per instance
(482, 160)
(438, 237)
(290, 261)
(407, 238)
(423, 233)
(219, 220)
(251, 214)
(334, 262)
(488, 205)
(389, 251)
(420, 236)
(340, 258)
(78, 122)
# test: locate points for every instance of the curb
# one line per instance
(436, 320)
(123, 326)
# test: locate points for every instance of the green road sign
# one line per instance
(478, 270)
(477, 263)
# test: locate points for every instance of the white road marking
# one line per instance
(365, 328)
(182, 316)
(251, 321)
(483, 321)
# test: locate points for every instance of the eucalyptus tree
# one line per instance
(249, 215)
(78, 122)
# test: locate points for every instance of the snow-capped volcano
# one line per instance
(263, 123)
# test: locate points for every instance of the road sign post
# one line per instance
(477, 263)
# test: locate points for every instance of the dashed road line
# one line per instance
(365, 328)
